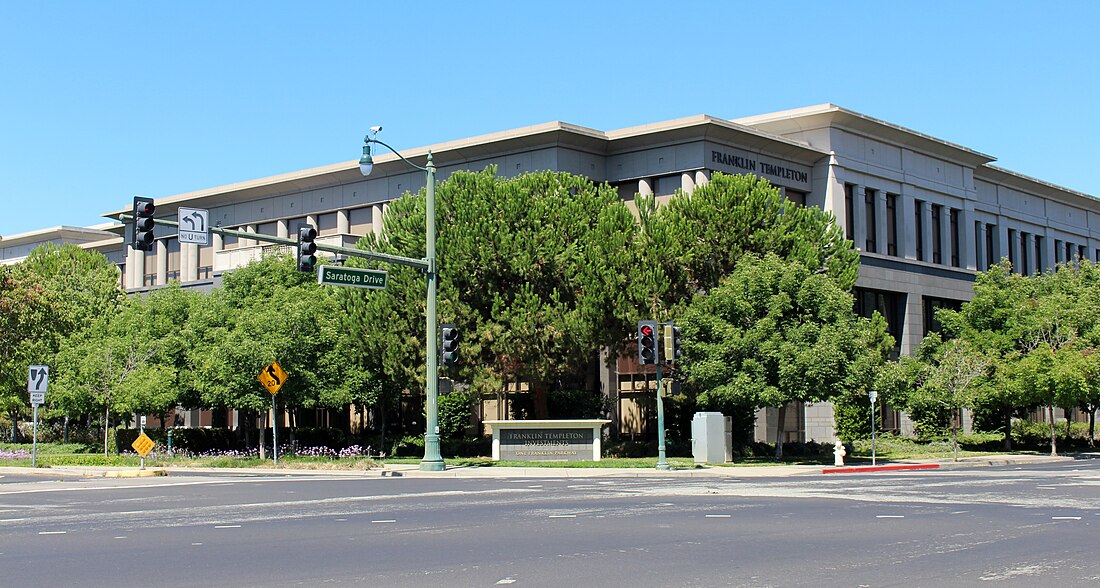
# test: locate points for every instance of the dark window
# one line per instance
(1058, 250)
(892, 224)
(1012, 249)
(1081, 253)
(1069, 252)
(918, 224)
(979, 261)
(931, 305)
(849, 213)
(1039, 254)
(869, 201)
(796, 197)
(891, 305)
(990, 254)
(1025, 255)
(937, 249)
(954, 237)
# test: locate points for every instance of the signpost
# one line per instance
(273, 377)
(38, 377)
(351, 276)
(194, 225)
(873, 395)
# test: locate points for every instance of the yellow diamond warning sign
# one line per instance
(273, 377)
(143, 445)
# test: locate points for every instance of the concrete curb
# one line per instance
(881, 468)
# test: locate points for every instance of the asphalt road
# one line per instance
(979, 527)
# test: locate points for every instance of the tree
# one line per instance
(774, 332)
(533, 271)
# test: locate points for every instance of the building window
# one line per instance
(954, 215)
(892, 224)
(849, 213)
(796, 197)
(1039, 254)
(937, 249)
(1025, 267)
(891, 305)
(918, 224)
(931, 305)
(1082, 253)
(1069, 252)
(990, 254)
(1012, 249)
(869, 202)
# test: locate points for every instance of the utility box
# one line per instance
(711, 437)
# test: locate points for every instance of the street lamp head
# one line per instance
(376, 129)
(366, 163)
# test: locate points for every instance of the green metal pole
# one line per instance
(433, 460)
(661, 463)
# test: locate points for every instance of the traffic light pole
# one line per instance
(662, 464)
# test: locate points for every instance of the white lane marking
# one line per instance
(507, 581)
(1046, 488)
(889, 516)
(130, 512)
(196, 544)
(1065, 518)
(568, 516)
(227, 526)
(960, 512)
(340, 520)
(717, 516)
(665, 504)
(536, 486)
(52, 532)
(121, 537)
(385, 521)
(11, 520)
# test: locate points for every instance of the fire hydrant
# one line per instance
(838, 453)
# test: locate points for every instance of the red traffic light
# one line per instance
(646, 330)
(144, 208)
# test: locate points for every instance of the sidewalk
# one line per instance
(413, 470)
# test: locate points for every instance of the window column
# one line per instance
(968, 252)
(645, 187)
(282, 229)
(343, 222)
(189, 262)
(1001, 240)
(1015, 245)
(702, 177)
(1027, 261)
(906, 225)
(945, 235)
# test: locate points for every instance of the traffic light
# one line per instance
(647, 342)
(142, 237)
(449, 336)
(673, 350)
(307, 261)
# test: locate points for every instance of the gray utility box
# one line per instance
(711, 437)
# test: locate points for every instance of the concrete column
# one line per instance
(1029, 249)
(880, 222)
(926, 229)
(162, 262)
(968, 254)
(189, 261)
(248, 242)
(139, 269)
(907, 227)
(282, 229)
(945, 235)
(130, 263)
(376, 219)
(645, 187)
(702, 177)
(687, 182)
(859, 217)
(912, 330)
(982, 257)
(343, 222)
(217, 242)
(834, 194)
(1048, 251)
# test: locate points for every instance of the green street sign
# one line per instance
(351, 276)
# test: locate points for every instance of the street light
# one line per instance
(433, 461)
(873, 395)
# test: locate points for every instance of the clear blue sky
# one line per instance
(100, 101)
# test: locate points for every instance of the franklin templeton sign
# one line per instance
(778, 172)
(560, 440)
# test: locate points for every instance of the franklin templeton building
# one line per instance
(925, 214)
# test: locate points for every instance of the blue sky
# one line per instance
(100, 101)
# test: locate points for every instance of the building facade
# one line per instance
(925, 214)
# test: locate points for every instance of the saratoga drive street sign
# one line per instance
(351, 276)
